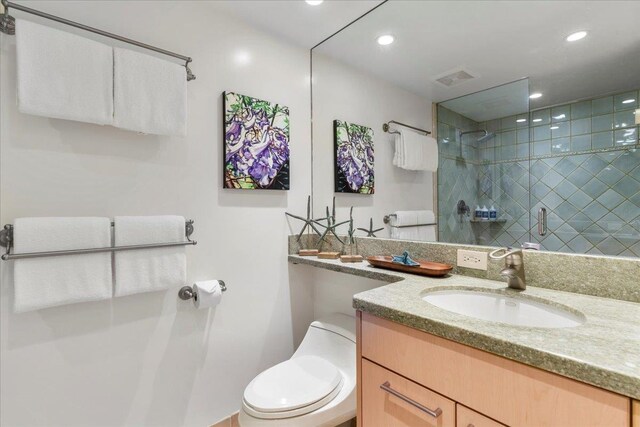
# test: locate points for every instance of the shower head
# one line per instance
(485, 135)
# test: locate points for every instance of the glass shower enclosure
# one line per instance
(566, 177)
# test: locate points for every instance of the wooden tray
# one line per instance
(426, 268)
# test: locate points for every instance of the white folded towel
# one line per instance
(150, 94)
(50, 281)
(404, 226)
(415, 151)
(155, 269)
(62, 75)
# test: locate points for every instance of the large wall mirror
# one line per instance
(536, 123)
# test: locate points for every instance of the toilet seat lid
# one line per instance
(293, 384)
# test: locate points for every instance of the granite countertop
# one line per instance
(604, 351)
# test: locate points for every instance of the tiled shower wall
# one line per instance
(581, 161)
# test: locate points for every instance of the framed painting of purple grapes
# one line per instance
(256, 143)
(353, 158)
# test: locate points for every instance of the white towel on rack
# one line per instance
(62, 75)
(406, 225)
(415, 151)
(150, 94)
(154, 269)
(65, 279)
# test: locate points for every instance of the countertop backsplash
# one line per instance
(597, 275)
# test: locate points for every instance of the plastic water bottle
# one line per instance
(485, 213)
(493, 213)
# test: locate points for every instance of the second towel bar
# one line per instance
(6, 240)
(387, 220)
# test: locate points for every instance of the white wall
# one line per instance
(344, 93)
(152, 359)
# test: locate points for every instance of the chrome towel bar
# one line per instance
(6, 240)
(385, 127)
(7, 26)
(387, 220)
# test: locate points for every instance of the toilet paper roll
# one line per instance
(208, 293)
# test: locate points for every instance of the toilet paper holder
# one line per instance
(187, 292)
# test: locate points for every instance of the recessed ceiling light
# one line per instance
(313, 2)
(521, 120)
(535, 95)
(576, 36)
(628, 101)
(537, 120)
(385, 40)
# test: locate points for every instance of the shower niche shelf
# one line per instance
(495, 221)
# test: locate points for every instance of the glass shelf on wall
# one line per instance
(490, 221)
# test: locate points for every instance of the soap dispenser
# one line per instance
(485, 213)
(478, 213)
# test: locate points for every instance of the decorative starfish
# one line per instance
(308, 221)
(351, 229)
(331, 224)
(330, 227)
(371, 232)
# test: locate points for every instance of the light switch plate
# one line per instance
(472, 259)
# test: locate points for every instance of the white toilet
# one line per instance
(315, 388)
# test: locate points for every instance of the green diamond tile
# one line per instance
(610, 175)
(594, 188)
(580, 222)
(580, 177)
(595, 210)
(611, 246)
(580, 199)
(627, 161)
(566, 188)
(594, 164)
(595, 234)
(579, 244)
(552, 243)
(627, 186)
(610, 199)
(566, 210)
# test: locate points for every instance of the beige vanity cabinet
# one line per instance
(466, 417)
(411, 378)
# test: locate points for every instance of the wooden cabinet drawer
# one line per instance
(636, 414)
(466, 417)
(509, 392)
(400, 404)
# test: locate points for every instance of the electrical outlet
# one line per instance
(472, 259)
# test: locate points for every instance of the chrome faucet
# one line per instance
(514, 267)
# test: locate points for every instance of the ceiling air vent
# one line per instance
(454, 78)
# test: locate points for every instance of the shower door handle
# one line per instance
(542, 221)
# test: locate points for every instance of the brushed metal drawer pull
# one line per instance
(434, 413)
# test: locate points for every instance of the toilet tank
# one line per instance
(334, 339)
(338, 323)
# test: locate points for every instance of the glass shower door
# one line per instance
(585, 179)
(485, 162)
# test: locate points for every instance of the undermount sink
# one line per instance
(498, 307)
